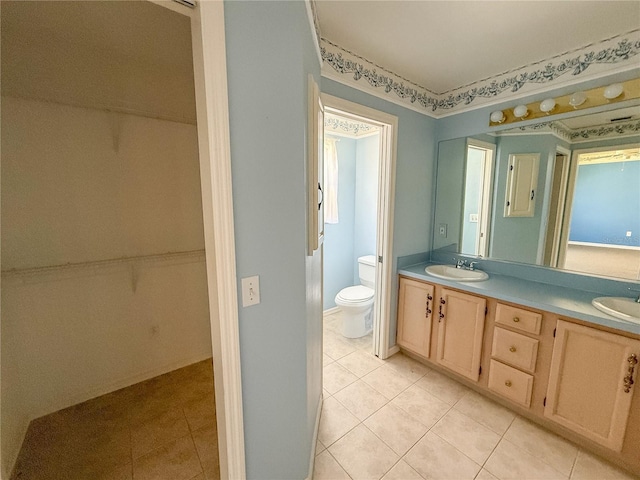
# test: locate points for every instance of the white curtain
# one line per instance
(330, 181)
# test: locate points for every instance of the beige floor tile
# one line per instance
(421, 405)
(433, 458)
(335, 421)
(542, 444)
(200, 412)
(442, 387)
(319, 447)
(336, 348)
(200, 476)
(331, 323)
(360, 363)
(485, 475)
(387, 381)
(402, 471)
(360, 399)
(363, 455)
(485, 411)
(157, 431)
(396, 428)
(176, 460)
(408, 367)
(510, 462)
(206, 442)
(590, 467)
(326, 468)
(363, 343)
(95, 472)
(335, 377)
(326, 360)
(471, 438)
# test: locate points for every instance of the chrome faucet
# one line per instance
(460, 263)
(637, 291)
(472, 265)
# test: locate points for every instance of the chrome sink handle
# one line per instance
(637, 291)
(472, 265)
(459, 262)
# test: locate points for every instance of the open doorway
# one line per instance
(476, 218)
(360, 295)
(601, 222)
(104, 276)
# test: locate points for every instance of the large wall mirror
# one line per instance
(561, 193)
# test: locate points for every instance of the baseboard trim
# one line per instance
(331, 311)
(312, 458)
(392, 351)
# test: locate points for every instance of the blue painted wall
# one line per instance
(606, 204)
(269, 55)
(339, 237)
(366, 200)
(415, 177)
(527, 230)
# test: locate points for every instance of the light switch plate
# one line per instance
(250, 291)
(442, 230)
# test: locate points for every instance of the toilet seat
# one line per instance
(355, 295)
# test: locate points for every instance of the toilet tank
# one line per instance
(367, 270)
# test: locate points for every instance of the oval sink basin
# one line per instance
(457, 274)
(620, 307)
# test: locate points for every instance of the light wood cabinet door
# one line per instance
(591, 382)
(460, 329)
(415, 311)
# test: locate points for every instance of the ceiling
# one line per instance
(444, 45)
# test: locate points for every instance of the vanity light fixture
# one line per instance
(521, 111)
(497, 116)
(582, 99)
(613, 91)
(577, 99)
(547, 105)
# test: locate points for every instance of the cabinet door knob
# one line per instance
(508, 383)
(512, 349)
(429, 297)
(516, 319)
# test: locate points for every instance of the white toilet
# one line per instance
(356, 303)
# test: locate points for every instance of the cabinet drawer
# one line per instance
(518, 318)
(510, 383)
(515, 349)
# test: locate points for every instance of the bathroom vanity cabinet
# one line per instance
(576, 378)
(416, 305)
(460, 329)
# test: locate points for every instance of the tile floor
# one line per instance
(399, 420)
(160, 429)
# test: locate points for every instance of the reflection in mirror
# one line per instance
(585, 210)
(477, 198)
(603, 216)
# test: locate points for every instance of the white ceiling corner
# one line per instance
(442, 58)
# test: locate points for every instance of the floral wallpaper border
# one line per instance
(613, 54)
(341, 126)
(596, 132)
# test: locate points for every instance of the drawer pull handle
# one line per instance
(628, 379)
(516, 319)
(512, 349)
(508, 383)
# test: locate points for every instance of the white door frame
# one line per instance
(210, 76)
(386, 193)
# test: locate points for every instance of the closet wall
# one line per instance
(103, 273)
